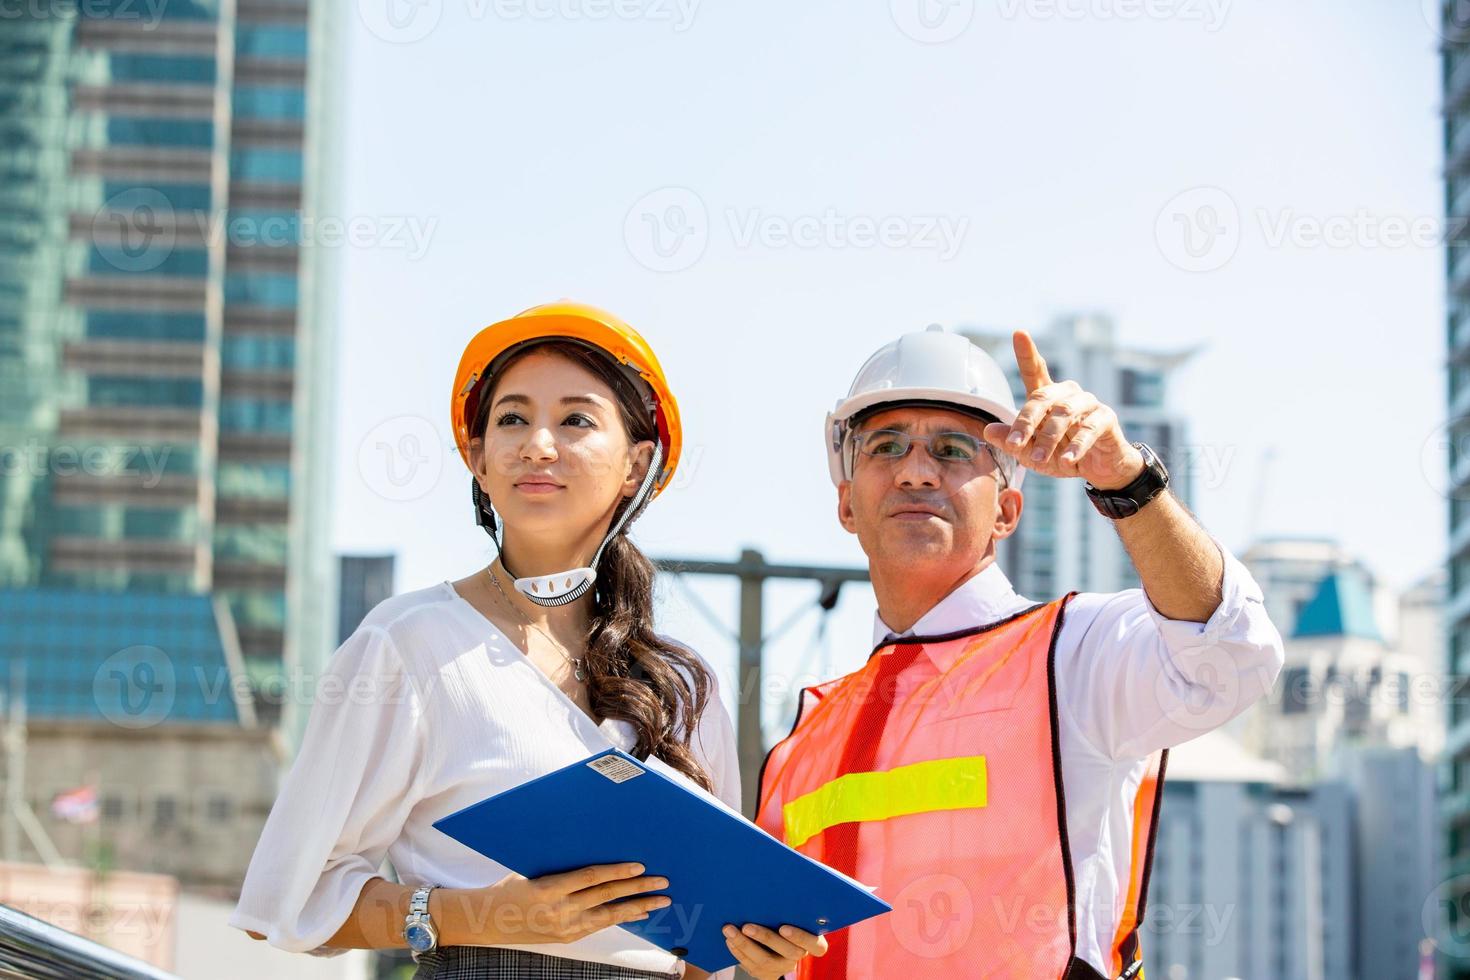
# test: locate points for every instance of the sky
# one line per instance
(770, 191)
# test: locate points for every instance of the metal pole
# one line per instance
(748, 725)
(752, 570)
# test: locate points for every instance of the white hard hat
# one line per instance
(931, 365)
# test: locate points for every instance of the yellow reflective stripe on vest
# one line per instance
(941, 784)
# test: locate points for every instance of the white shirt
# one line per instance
(427, 708)
(1129, 682)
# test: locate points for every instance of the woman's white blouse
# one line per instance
(427, 708)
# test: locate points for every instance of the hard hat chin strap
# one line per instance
(560, 588)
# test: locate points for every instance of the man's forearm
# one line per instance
(1177, 562)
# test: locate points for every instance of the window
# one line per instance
(257, 353)
(254, 415)
(145, 131)
(269, 166)
(165, 810)
(250, 226)
(269, 102)
(162, 392)
(113, 258)
(1296, 689)
(128, 66)
(269, 480)
(181, 197)
(114, 808)
(1142, 387)
(270, 41)
(260, 290)
(145, 326)
(219, 808)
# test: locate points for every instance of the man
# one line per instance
(993, 769)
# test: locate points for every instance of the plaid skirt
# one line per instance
(498, 963)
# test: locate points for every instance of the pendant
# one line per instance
(578, 671)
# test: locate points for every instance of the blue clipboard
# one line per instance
(610, 808)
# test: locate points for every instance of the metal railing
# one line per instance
(31, 947)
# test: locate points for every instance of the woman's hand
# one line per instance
(559, 908)
(767, 955)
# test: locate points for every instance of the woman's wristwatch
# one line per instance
(418, 928)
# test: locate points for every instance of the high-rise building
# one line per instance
(1062, 542)
(1454, 776)
(1259, 876)
(365, 581)
(165, 328)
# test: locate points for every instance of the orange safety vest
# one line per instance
(933, 773)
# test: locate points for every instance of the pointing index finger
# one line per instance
(1033, 366)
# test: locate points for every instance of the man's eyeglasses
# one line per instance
(959, 449)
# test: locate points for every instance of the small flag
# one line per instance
(76, 805)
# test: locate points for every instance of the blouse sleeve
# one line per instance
(343, 802)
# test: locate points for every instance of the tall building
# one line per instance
(1258, 876)
(165, 329)
(366, 580)
(1455, 770)
(1062, 543)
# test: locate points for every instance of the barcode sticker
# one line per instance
(617, 769)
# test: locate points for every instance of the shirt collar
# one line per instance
(980, 600)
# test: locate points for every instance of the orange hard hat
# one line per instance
(578, 322)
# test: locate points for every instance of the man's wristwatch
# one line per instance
(418, 928)
(1129, 500)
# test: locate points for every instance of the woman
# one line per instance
(446, 695)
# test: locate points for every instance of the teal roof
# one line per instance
(1343, 606)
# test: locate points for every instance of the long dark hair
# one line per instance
(632, 673)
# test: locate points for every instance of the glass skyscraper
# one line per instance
(165, 325)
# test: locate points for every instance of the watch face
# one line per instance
(420, 938)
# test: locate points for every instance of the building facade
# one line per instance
(165, 343)
(1455, 771)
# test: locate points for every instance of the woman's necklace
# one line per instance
(578, 664)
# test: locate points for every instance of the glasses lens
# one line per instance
(882, 442)
(960, 447)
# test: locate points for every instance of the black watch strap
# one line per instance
(1129, 500)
